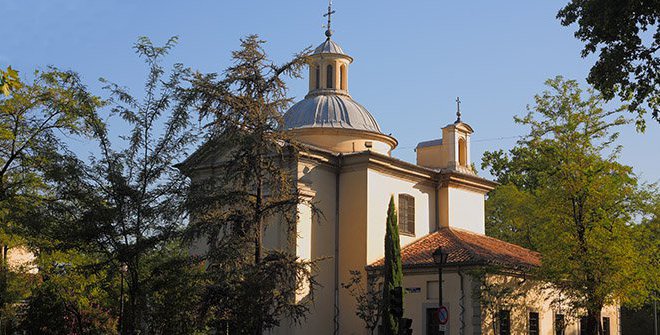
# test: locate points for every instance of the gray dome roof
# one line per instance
(328, 47)
(330, 111)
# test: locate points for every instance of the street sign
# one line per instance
(442, 328)
(442, 315)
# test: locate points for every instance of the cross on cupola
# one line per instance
(328, 32)
(458, 110)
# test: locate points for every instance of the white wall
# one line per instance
(381, 187)
(466, 210)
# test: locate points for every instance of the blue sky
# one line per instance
(412, 58)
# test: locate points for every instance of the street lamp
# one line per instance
(122, 272)
(440, 259)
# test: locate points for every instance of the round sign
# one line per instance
(442, 314)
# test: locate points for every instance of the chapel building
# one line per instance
(346, 168)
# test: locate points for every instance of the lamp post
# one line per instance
(122, 272)
(440, 259)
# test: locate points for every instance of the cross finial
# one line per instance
(458, 110)
(328, 32)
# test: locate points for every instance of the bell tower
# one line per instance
(452, 151)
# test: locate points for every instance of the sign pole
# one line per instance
(440, 304)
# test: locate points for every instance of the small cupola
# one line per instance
(328, 117)
(328, 68)
(452, 151)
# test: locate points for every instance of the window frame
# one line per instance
(317, 74)
(529, 322)
(506, 312)
(329, 76)
(406, 214)
(609, 325)
(557, 330)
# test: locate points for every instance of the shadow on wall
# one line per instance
(506, 301)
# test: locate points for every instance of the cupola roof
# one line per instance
(328, 47)
(330, 111)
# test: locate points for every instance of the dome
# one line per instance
(328, 47)
(330, 111)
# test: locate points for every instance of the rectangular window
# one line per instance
(505, 322)
(583, 325)
(606, 326)
(407, 214)
(533, 323)
(559, 324)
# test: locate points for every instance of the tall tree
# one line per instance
(251, 186)
(393, 273)
(126, 204)
(626, 36)
(34, 118)
(581, 204)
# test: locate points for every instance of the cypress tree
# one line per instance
(392, 271)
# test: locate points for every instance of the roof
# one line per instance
(466, 248)
(430, 143)
(328, 47)
(330, 111)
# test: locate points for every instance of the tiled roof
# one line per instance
(466, 248)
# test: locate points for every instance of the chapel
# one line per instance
(346, 167)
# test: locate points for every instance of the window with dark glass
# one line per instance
(583, 325)
(606, 326)
(505, 322)
(406, 214)
(328, 76)
(534, 323)
(559, 324)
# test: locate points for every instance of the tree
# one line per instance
(252, 186)
(626, 35)
(70, 298)
(32, 119)
(175, 286)
(126, 205)
(367, 297)
(584, 200)
(393, 274)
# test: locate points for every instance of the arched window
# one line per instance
(462, 152)
(328, 76)
(317, 75)
(407, 214)
(342, 77)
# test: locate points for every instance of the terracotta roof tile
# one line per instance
(466, 248)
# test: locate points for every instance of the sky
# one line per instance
(411, 58)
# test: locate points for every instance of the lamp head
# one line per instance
(440, 256)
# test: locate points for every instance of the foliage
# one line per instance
(368, 298)
(125, 205)
(9, 80)
(647, 238)
(70, 298)
(498, 291)
(580, 201)
(252, 186)
(393, 273)
(175, 286)
(32, 119)
(626, 35)
(512, 216)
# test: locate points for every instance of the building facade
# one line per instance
(346, 168)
